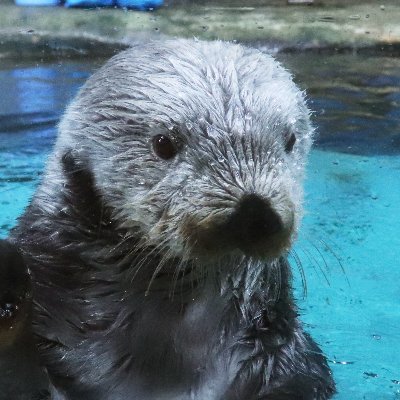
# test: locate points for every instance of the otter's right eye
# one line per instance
(164, 147)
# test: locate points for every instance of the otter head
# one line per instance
(196, 147)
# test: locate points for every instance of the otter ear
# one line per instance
(71, 162)
(80, 193)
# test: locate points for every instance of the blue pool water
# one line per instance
(352, 201)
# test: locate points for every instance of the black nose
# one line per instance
(254, 220)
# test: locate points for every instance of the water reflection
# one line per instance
(356, 101)
(33, 99)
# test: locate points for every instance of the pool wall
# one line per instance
(326, 26)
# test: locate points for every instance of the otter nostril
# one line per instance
(254, 219)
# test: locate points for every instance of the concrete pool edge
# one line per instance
(34, 32)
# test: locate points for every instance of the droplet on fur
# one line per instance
(221, 159)
(141, 182)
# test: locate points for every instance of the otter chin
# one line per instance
(158, 237)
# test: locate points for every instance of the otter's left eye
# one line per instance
(290, 143)
(164, 147)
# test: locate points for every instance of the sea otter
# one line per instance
(157, 240)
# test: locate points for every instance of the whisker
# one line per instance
(175, 279)
(300, 268)
(157, 270)
(328, 249)
(338, 259)
(314, 262)
(154, 252)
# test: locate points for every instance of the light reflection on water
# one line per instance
(352, 200)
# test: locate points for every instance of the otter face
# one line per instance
(197, 147)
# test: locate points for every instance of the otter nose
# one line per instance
(254, 220)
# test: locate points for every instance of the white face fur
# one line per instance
(178, 133)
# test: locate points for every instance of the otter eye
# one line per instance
(164, 147)
(290, 143)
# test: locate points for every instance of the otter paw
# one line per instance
(8, 307)
(15, 293)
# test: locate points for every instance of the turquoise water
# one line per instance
(353, 220)
(349, 246)
(353, 204)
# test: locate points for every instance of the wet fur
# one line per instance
(128, 304)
